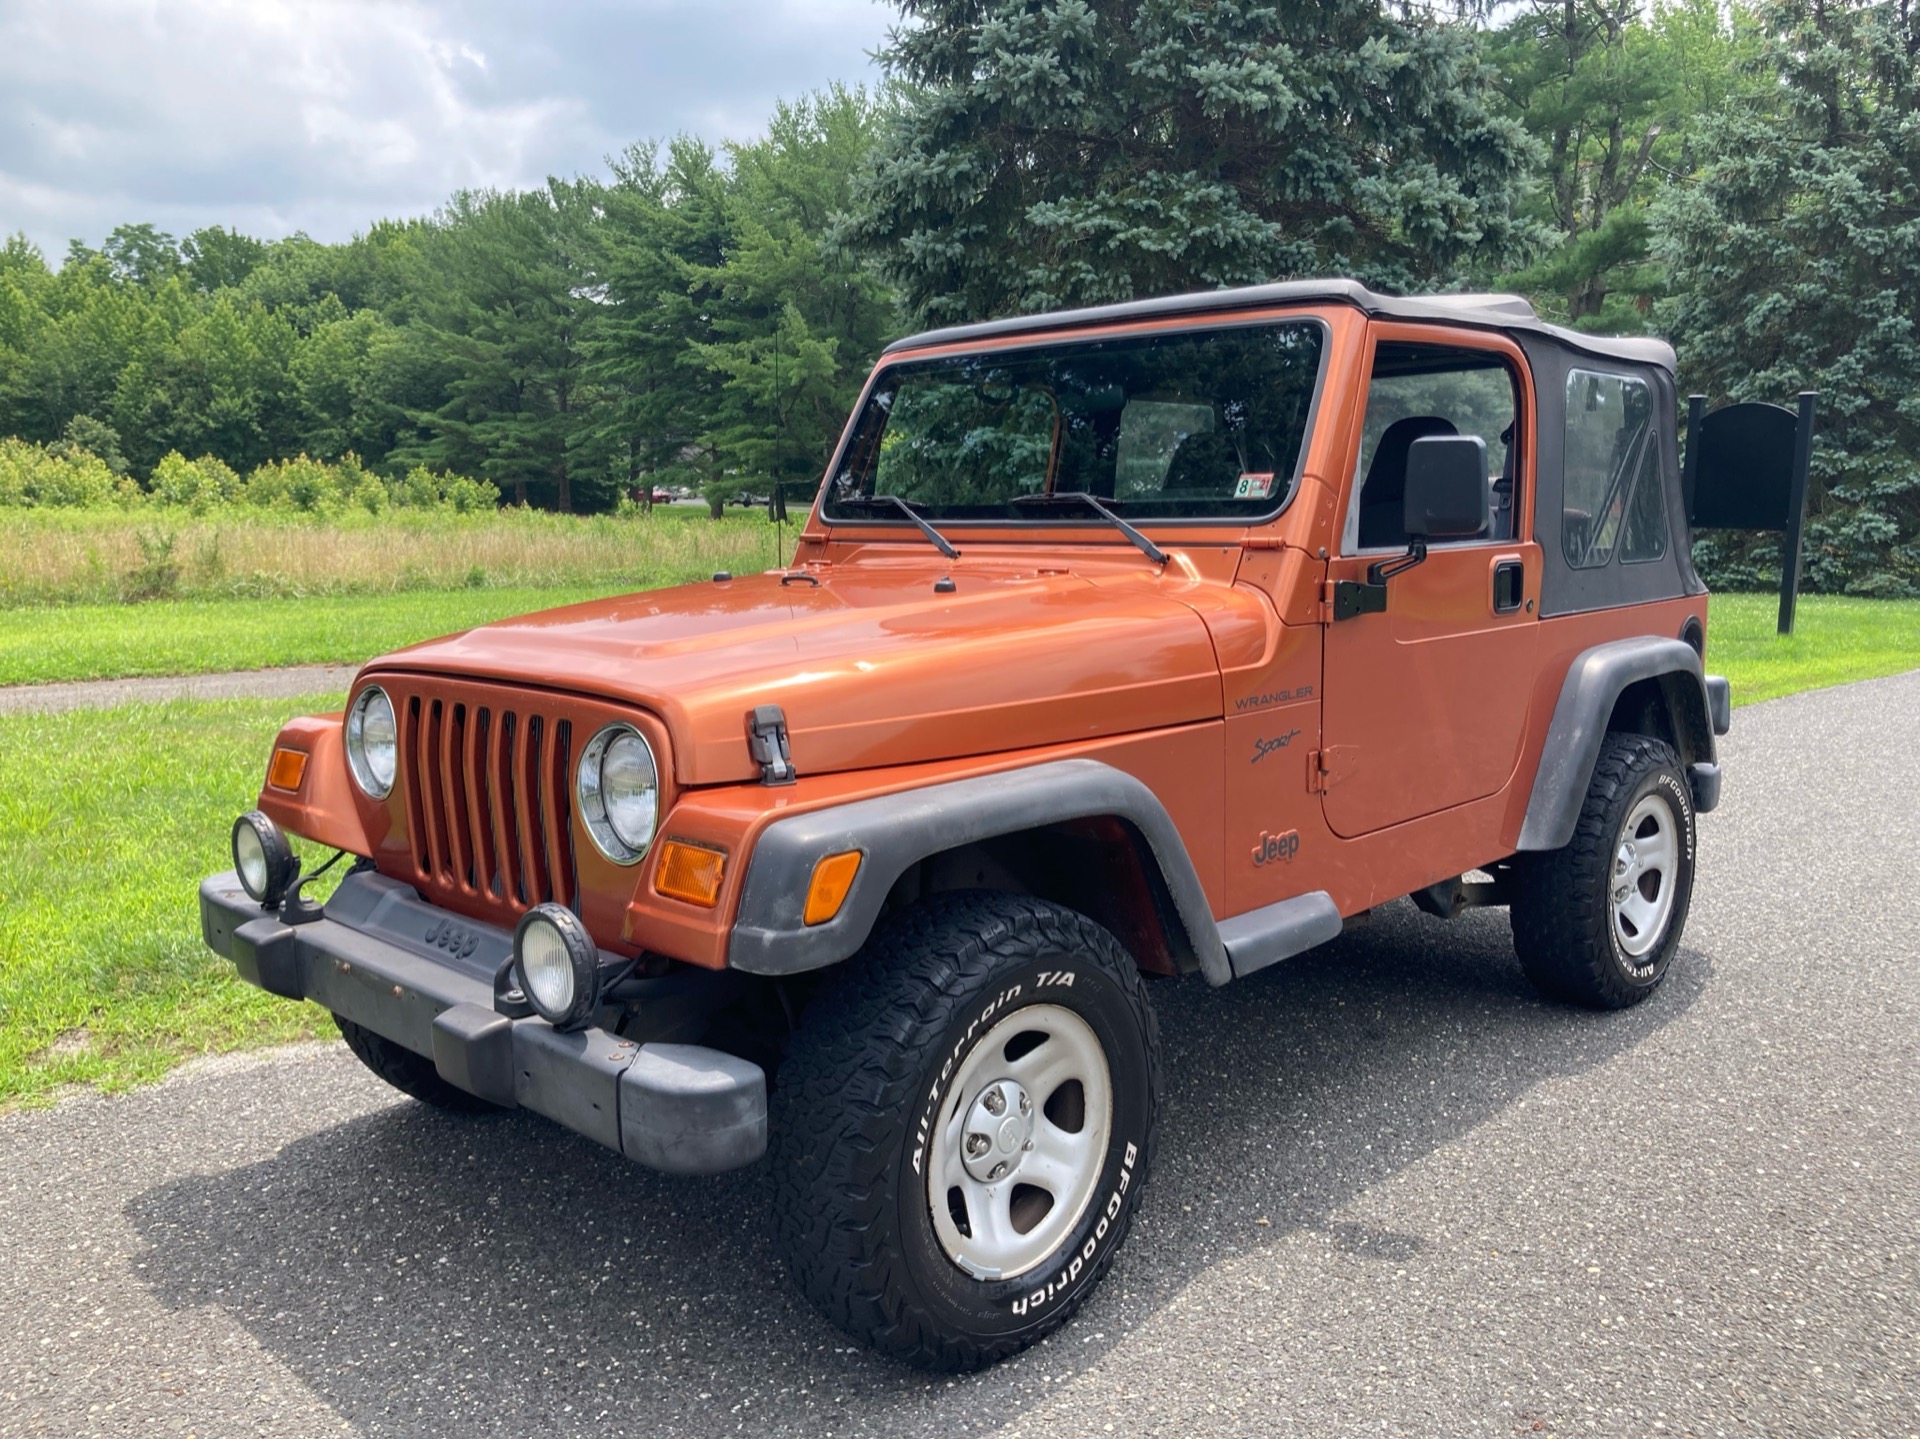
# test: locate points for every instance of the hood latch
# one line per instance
(767, 743)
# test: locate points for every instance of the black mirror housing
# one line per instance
(1446, 497)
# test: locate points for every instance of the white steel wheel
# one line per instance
(1021, 1142)
(1643, 885)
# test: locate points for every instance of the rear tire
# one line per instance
(410, 1073)
(1598, 921)
(1000, 1051)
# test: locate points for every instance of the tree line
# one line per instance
(1744, 180)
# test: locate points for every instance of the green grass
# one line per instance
(180, 637)
(69, 557)
(1835, 640)
(108, 820)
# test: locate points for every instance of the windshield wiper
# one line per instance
(1146, 546)
(940, 540)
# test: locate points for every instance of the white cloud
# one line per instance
(323, 115)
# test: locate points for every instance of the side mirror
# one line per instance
(1446, 496)
(1447, 499)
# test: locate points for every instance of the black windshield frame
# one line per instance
(856, 460)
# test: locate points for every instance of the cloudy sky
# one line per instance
(323, 115)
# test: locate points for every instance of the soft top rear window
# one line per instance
(1200, 424)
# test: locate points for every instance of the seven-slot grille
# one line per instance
(489, 800)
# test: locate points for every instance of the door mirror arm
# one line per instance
(1380, 571)
(1353, 598)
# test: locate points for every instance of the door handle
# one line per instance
(1509, 585)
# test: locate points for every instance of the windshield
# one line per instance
(1205, 424)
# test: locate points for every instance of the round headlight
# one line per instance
(262, 858)
(373, 742)
(619, 789)
(559, 965)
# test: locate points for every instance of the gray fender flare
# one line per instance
(893, 832)
(1595, 681)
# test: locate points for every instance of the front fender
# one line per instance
(893, 832)
(322, 809)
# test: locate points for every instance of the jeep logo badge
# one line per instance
(454, 939)
(1276, 848)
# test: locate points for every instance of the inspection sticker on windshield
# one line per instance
(1254, 486)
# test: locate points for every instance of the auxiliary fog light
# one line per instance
(263, 858)
(558, 964)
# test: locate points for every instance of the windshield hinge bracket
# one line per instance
(768, 744)
(1352, 598)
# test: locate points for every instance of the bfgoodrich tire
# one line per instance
(962, 1128)
(410, 1073)
(1598, 921)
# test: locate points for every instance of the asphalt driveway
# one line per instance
(1397, 1195)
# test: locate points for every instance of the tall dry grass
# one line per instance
(79, 557)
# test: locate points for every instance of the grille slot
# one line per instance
(489, 801)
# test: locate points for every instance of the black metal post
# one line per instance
(1690, 467)
(1796, 511)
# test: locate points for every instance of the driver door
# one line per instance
(1424, 704)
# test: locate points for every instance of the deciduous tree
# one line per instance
(1616, 93)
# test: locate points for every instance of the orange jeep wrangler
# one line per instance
(1121, 643)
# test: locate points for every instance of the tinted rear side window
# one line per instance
(1612, 492)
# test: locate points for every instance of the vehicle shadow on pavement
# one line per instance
(428, 1274)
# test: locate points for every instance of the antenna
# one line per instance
(777, 512)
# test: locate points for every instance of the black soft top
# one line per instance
(1511, 313)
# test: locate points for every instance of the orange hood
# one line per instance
(872, 665)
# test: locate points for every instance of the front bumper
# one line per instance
(423, 978)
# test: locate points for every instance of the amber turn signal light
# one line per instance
(832, 879)
(691, 872)
(288, 768)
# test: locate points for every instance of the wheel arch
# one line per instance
(1644, 685)
(1071, 831)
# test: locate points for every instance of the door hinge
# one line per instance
(767, 743)
(1327, 766)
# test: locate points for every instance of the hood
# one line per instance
(871, 664)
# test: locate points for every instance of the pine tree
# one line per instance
(1795, 264)
(1064, 152)
(796, 321)
(662, 222)
(507, 317)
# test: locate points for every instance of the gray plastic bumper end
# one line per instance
(690, 1110)
(1704, 780)
(1720, 703)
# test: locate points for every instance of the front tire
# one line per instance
(410, 1073)
(1598, 921)
(962, 1128)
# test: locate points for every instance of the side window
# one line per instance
(1422, 390)
(1613, 494)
